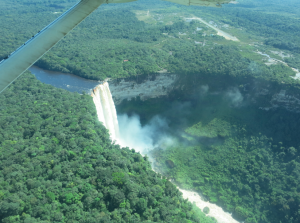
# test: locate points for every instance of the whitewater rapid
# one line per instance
(106, 109)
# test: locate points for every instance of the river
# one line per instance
(65, 81)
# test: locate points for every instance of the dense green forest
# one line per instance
(280, 31)
(223, 61)
(251, 176)
(287, 7)
(58, 164)
(98, 47)
(277, 23)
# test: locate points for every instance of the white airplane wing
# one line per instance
(26, 55)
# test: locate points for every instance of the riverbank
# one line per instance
(214, 210)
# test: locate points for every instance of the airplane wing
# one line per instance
(211, 3)
(25, 56)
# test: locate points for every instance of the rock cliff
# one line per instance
(266, 96)
(152, 86)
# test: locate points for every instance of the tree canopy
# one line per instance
(58, 164)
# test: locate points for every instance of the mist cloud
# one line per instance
(143, 138)
(254, 68)
(204, 89)
(234, 96)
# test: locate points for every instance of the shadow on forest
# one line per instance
(224, 146)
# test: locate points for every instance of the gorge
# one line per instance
(266, 96)
(106, 112)
(202, 114)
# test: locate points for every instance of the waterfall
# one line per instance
(140, 138)
(106, 110)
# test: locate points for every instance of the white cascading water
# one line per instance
(108, 116)
(106, 110)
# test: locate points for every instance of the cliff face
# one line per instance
(264, 95)
(284, 100)
(153, 86)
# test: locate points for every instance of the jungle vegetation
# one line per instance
(58, 164)
(279, 31)
(277, 23)
(241, 158)
(102, 44)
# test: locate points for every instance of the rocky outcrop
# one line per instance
(265, 96)
(281, 99)
(153, 86)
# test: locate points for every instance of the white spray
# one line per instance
(106, 110)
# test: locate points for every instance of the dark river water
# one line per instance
(65, 81)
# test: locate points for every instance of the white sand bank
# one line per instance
(214, 211)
